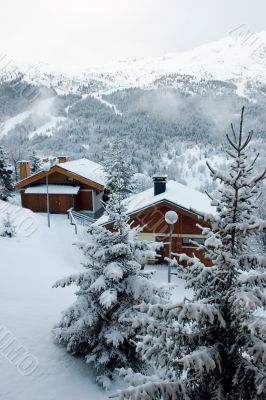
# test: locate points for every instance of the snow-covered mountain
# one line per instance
(232, 59)
(173, 111)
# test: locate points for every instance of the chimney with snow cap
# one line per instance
(159, 182)
(62, 159)
(24, 167)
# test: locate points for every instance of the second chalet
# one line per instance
(77, 184)
(147, 209)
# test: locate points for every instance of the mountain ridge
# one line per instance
(228, 59)
(172, 111)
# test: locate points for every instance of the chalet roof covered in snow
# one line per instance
(177, 194)
(87, 169)
(82, 168)
(53, 189)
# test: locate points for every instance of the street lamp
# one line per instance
(46, 168)
(171, 218)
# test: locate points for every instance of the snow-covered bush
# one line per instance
(7, 227)
(213, 346)
(97, 326)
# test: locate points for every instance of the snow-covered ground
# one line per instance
(30, 264)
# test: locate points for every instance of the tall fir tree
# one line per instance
(35, 163)
(97, 326)
(213, 346)
(118, 170)
(6, 181)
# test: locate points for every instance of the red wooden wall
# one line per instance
(153, 222)
(59, 203)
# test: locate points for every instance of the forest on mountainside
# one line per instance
(172, 130)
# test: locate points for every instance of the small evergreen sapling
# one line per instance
(7, 227)
(97, 326)
(214, 345)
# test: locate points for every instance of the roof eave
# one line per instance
(56, 168)
(132, 213)
(194, 212)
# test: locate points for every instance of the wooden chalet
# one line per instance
(147, 209)
(77, 184)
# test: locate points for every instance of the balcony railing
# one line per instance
(79, 219)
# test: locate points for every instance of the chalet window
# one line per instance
(186, 241)
(70, 179)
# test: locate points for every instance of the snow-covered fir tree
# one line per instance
(260, 239)
(7, 227)
(119, 171)
(97, 326)
(213, 346)
(35, 163)
(6, 184)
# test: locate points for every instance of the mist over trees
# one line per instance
(160, 126)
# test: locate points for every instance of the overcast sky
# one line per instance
(87, 32)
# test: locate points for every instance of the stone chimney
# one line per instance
(159, 182)
(24, 167)
(62, 159)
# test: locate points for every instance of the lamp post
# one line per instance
(47, 169)
(171, 218)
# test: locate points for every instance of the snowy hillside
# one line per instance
(42, 112)
(229, 59)
(173, 111)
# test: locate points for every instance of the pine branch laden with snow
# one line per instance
(214, 343)
(97, 326)
(260, 239)
(119, 171)
(6, 172)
